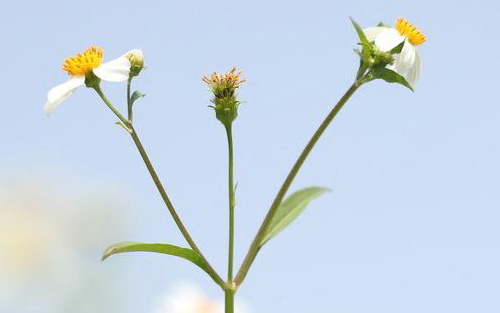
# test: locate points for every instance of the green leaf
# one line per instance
(184, 253)
(136, 95)
(290, 209)
(389, 76)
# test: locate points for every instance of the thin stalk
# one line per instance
(97, 88)
(161, 190)
(129, 101)
(231, 204)
(255, 246)
(171, 208)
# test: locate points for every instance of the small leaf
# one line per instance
(389, 76)
(136, 95)
(290, 209)
(124, 126)
(184, 253)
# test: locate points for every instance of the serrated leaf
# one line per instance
(185, 253)
(390, 76)
(290, 209)
(136, 95)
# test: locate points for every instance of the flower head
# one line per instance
(407, 61)
(136, 58)
(87, 67)
(83, 63)
(224, 87)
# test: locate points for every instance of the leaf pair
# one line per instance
(287, 212)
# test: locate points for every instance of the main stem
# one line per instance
(229, 300)
(255, 246)
(231, 204)
(229, 293)
(161, 189)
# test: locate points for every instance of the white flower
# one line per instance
(407, 62)
(82, 64)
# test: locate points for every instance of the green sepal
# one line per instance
(389, 76)
(366, 51)
(290, 209)
(397, 49)
(91, 80)
(361, 35)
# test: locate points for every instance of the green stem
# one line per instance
(255, 246)
(129, 101)
(231, 204)
(229, 301)
(97, 88)
(161, 190)
(171, 208)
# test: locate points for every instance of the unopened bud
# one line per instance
(136, 58)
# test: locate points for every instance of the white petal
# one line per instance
(372, 32)
(114, 71)
(405, 59)
(388, 38)
(61, 92)
(136, 52)
(414, 71)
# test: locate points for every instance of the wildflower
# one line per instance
(86, 68)
(407, 62)
(224, 87)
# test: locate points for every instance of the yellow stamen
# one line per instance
(230, 80)
(83, 63)
(415, 36)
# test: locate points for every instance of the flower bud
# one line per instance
(136, 58)
(223, 87)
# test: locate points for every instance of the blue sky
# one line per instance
(412, 222)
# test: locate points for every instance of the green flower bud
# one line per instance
(223, 87)
(136, 58)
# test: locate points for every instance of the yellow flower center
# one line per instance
(415, 36)
(83, 63)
